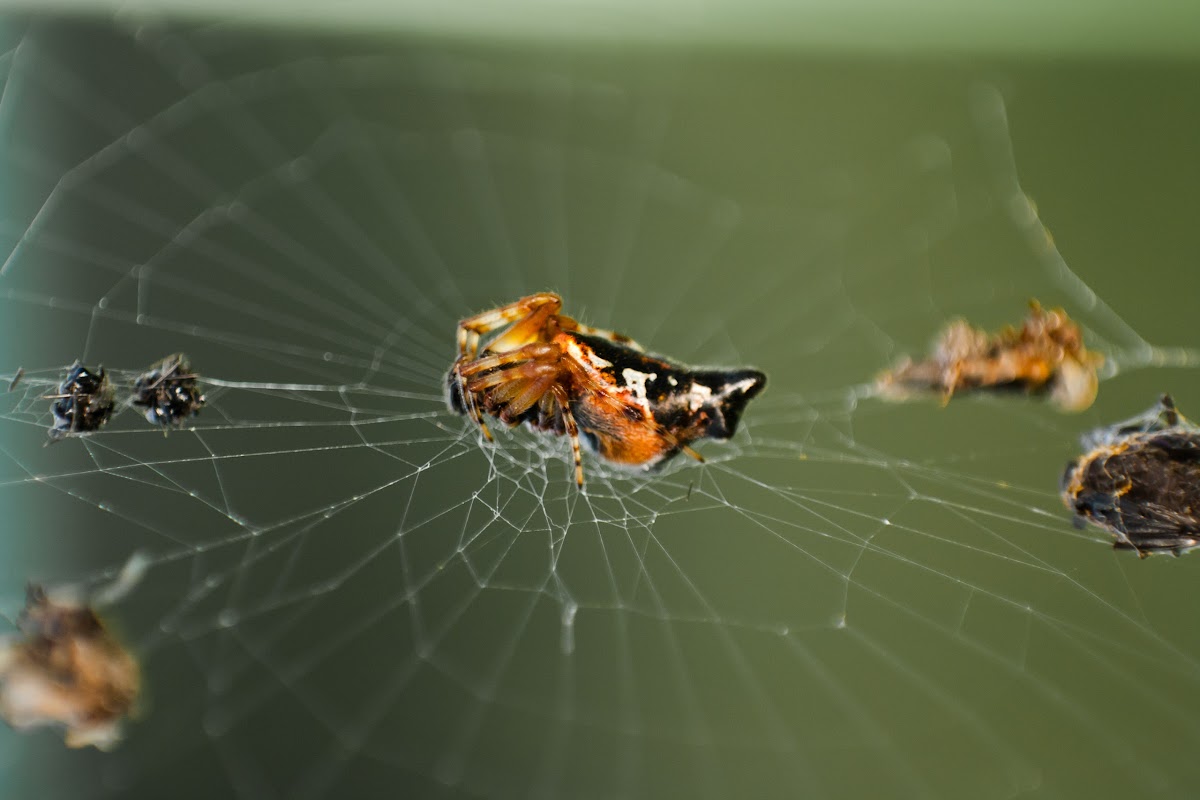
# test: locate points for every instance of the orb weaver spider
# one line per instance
(560, 376)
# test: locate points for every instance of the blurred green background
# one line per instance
(1106, 28)
(350, 598)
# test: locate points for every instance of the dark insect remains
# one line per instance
(1045, 356)
(169, 392)
(83, 402)
(66, 669)
(560, 376)
(1140, 480)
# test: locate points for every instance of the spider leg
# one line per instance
(564, 408)
(519, 376)
(477, 416)
(515, 368)
(520, 382)
(468, 399)
(529, 392)
(529, 314)
(548, 417)
(513, 373)
(536, 351)
(674, 441)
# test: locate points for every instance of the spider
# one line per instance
(1045, 355)
(83, 403)
(563, 377)
(1140, 480)
(66, 669)
(169, 392)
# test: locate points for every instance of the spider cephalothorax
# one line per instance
(563, 377)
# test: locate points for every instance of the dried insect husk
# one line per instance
(1140, 481)
(169, 392)
(66, 669)
(1045, 356)
(83, 403)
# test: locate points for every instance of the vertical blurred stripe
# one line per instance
(8, 552)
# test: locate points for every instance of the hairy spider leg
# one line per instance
(518, 387)
(528, 317)
(683, 448)
(560, 397)
(522, 393)
(529, 376)
(469, 401)
(512, 369)
(536, 351)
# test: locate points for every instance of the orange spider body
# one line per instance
(1046, 355)
(560, 376)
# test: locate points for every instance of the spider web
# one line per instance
(349, 594)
